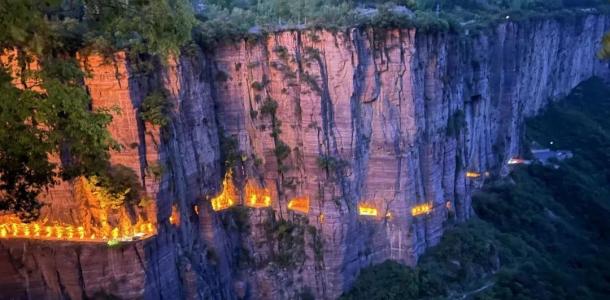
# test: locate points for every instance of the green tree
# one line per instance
(48, 128)
(38, 125)
(154, 27)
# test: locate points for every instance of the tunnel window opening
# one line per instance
(227, 198)
(257, 197)
(472, 174)
(367, 209)
(299, 204)
(174, 218)
(421, 209)
(71, 233)
(111, 220)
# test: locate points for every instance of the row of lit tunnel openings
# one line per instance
(256, 197)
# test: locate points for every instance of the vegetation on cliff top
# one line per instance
(542, 233)
(153, 27)
(225, 19)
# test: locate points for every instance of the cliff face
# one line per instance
(388, 120)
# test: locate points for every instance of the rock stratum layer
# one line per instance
(388, 120)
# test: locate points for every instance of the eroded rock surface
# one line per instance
(392, 119)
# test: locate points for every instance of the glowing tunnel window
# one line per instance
(299, 204)
(174, 218)
(114, 225)
(421, 209)
(365, 209)
(471, 174)
(227, 197)
(257, 197)
(71, 233)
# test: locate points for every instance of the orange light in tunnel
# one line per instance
(365, 209)
(257, 197)
(39, 231)
(15, 229)
(126, 230)
(174, 218)
(36, 230)
(421, 209)
(115, 233)
(26, 230)
(70, 232)
(228, 195)
(299, 204)
(81, 232)
(59, 231)
(473, 174)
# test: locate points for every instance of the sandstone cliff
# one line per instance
(390, 119)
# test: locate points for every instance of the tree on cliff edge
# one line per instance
(48, 119)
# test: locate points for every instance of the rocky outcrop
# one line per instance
(391, 119)
(42, 270)
(400, 116)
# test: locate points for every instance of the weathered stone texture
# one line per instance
(407, 114)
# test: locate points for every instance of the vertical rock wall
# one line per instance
(389, 119)
(401, 116)
(55, 270)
